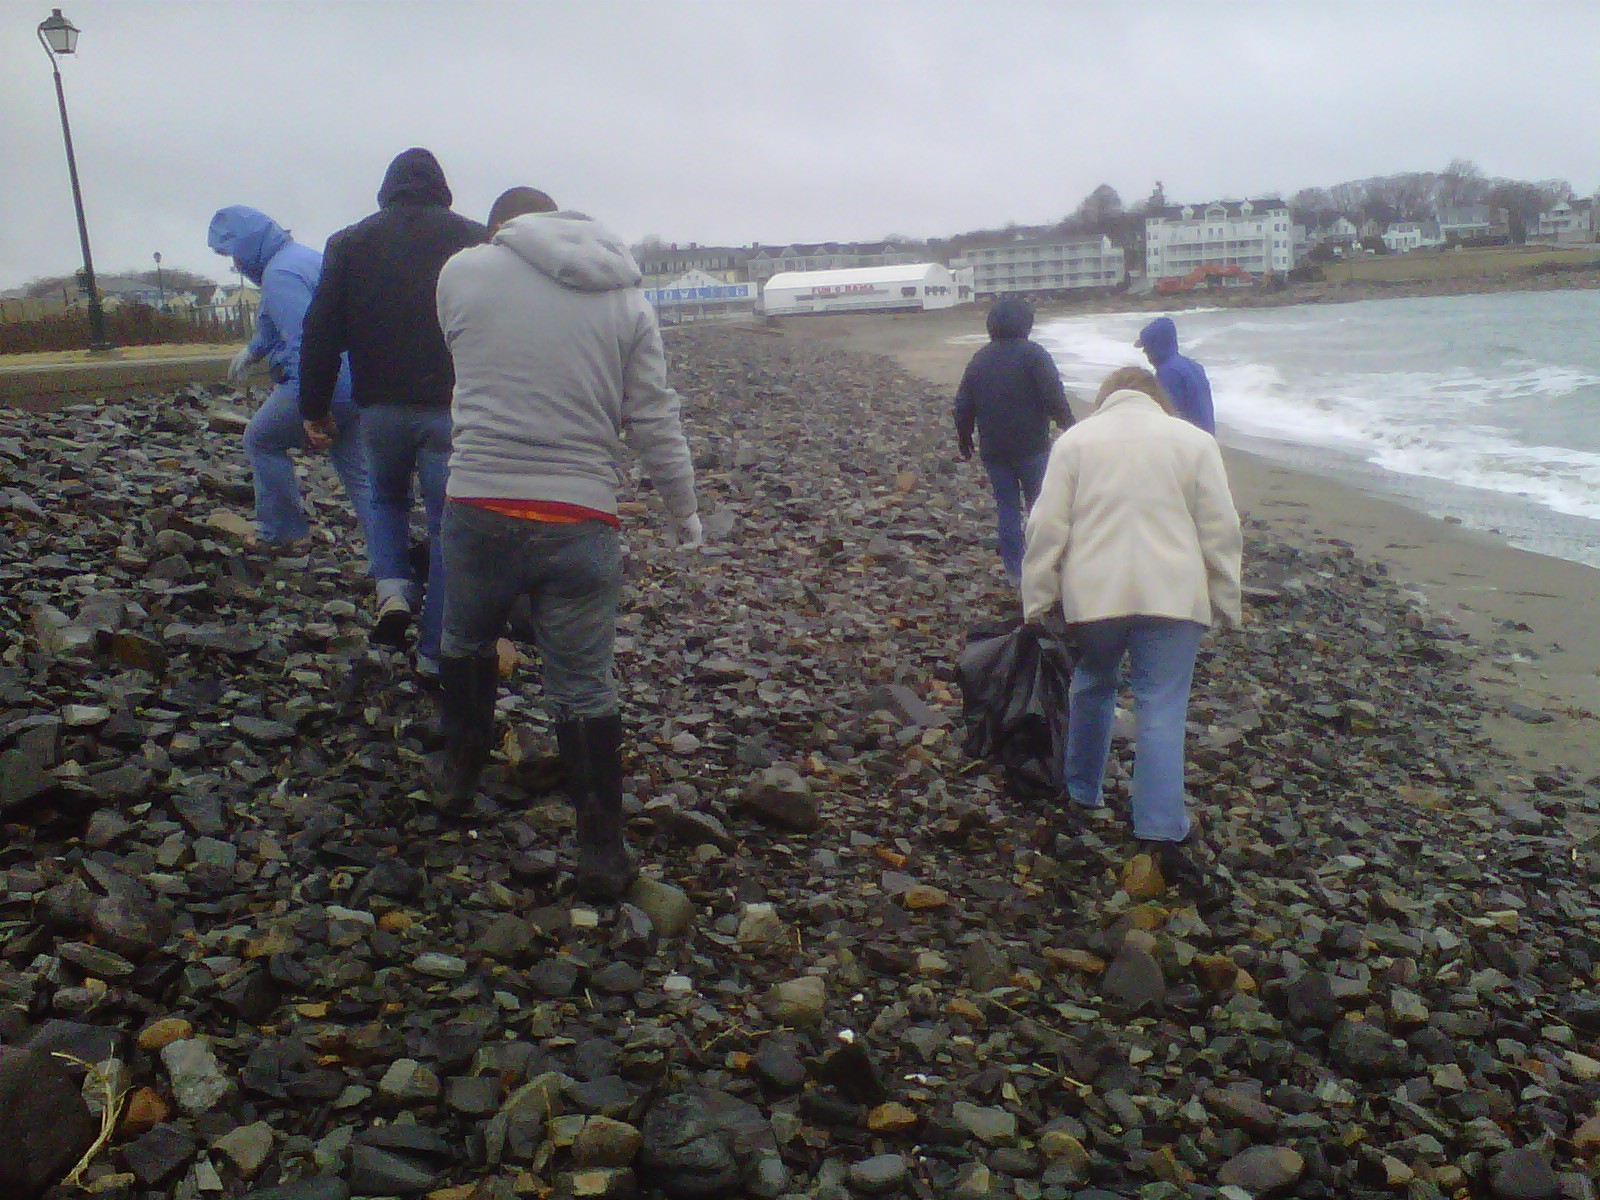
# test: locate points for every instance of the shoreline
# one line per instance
(1531, 615)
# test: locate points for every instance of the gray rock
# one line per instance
(1263, 1170)
(246, 1147)
(377, 1171)
(993, 1125)
(1134, 979)
(700, 1145)
(46, 1126)
(880, 1175)
(781, 796)
(603, 1142)
(1365, 1051)
(198, 1083)
(1523, 1174)
(439, 966)
(798, 1002)
(324, 1187)
(597, 1183)
(1310, 1001)
(669, 908)
(160, 1154)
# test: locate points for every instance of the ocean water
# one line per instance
(1482, 408)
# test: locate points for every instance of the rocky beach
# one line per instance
(856, 966)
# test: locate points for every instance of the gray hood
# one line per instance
(576, 251)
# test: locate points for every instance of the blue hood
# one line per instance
(1159, 339)
(249, 237)
(1010, 318)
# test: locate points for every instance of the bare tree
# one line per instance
(1461, 183)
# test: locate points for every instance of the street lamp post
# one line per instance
(161, 289)
(60, 36)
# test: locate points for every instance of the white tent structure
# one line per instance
(898, 287)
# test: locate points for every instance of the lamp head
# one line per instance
(60, 34)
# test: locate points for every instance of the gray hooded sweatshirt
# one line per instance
(558, 360)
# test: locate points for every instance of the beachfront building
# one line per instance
(1571, 221)
(1254, 235)
(899, 287)
(766, 261)
(1058, 265)
(697, 296)
(1404, 236)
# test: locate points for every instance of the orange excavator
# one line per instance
(1210, 274)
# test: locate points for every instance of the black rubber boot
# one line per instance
(1189, 876)
(591, 763)
(467, 690)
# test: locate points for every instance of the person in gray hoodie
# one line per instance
(558, 361)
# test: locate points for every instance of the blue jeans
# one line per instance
(402, 440)
(275, 430)
(1161, 654)
(573, 576)
(1016, 484)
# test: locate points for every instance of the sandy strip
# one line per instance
(1535, 616)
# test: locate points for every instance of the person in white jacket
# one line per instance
(1135, 539)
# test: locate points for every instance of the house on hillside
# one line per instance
(1256, 235)
(664, 264)
(1473, 222)
(1404, 236)
(1569, 222)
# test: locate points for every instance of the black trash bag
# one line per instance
(1014, 689)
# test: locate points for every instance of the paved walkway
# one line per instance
(42, 386)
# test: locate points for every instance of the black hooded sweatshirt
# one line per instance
(376, 296)
(1011, 390)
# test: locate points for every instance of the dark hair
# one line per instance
(1135, 379)
(517, 202)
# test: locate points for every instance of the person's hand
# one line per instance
(319, 434)
(240, 364)
(687, 532)
(966, 449)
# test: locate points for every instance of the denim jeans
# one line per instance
(275, 430)
(572, 574)
(402, 440)
(1161, 654)
(1016, 485)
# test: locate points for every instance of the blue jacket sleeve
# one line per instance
(284, 300)
(265, 338)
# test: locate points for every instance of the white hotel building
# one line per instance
(1257, 235)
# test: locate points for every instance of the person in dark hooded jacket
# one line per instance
(376, 301)
(286, 272)
(1011, 391)
(1184, 379)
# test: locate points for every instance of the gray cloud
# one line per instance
(717, 121)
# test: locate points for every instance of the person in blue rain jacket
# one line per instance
(1184, 379)
(287, 273)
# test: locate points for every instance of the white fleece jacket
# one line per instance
(558, 359)
(1135, 518)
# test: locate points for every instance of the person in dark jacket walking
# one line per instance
(1185, 380)
(376, 301)
(1011, 391)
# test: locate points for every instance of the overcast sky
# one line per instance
(716, 121)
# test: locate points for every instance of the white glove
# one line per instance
(240, 364)
(687, 532)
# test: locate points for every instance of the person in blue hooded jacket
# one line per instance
(1184, 379)
(1009, 393)
(287, 273)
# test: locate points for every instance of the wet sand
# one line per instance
(1534, 616)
